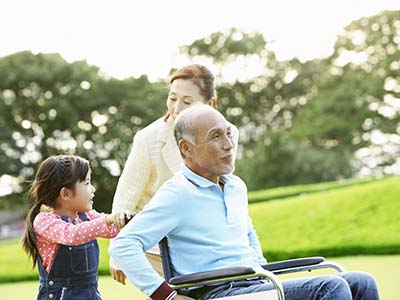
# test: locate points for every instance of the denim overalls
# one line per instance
(73, 275)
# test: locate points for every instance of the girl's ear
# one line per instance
(212, 102)
(65, 193)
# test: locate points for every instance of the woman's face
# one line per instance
(182, 94)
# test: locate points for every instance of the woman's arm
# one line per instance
(131, 184)
(134, 177)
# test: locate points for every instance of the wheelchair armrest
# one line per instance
(224, 275)
(211, 275)
(302, 264)
(293, 263)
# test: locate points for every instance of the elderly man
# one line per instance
(203, 211)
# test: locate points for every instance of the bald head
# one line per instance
(188, 122)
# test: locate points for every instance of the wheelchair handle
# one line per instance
(128, 218)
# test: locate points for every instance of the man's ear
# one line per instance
(212, 101)
(185, 147)
(65, 193)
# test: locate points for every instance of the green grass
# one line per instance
(359, 219)
(296, 190)
(14, 264)
(384, 268)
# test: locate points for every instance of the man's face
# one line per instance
(212, 155)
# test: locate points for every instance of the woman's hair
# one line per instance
(53, 174)
(200, 76)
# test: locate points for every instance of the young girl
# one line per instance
(62, 239)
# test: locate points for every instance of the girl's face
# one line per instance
(182, 94)
(82, 198)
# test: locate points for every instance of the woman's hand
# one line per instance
(118, 275)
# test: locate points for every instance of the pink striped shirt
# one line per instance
(51, 231)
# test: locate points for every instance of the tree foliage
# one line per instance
(50, 107)
(299, 122)
(369, 49)
(223, 47)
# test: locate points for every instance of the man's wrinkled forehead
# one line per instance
(211, 124)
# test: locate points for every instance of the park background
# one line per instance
(319, 136)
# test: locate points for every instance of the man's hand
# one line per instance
(118, 275)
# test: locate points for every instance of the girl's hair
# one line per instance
(53, 174)
(202, 77)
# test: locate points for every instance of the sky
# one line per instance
(130, 38)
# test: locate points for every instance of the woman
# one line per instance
(155, 157)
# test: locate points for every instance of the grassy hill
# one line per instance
(302, 189)
(349, 219)
(357, 219)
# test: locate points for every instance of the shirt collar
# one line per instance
(199, 180)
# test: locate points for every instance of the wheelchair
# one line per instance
(184, 283)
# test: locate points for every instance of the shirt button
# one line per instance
(51, 296)
(51, 282)
(69, 248)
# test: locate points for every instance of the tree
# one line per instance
(369, 51)
(360, 98)
(50, 107)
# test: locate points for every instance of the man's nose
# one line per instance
(228, 143)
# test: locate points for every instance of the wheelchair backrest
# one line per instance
(165, 259)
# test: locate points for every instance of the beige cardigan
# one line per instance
(153, 159)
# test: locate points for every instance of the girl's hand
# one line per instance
(120, 219)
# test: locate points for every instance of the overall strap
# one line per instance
(83, 216)
(64, 218)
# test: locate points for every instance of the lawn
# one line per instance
(302, 189)
(384, 268)
(353, 220)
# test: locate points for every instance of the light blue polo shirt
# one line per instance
(207, 229)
